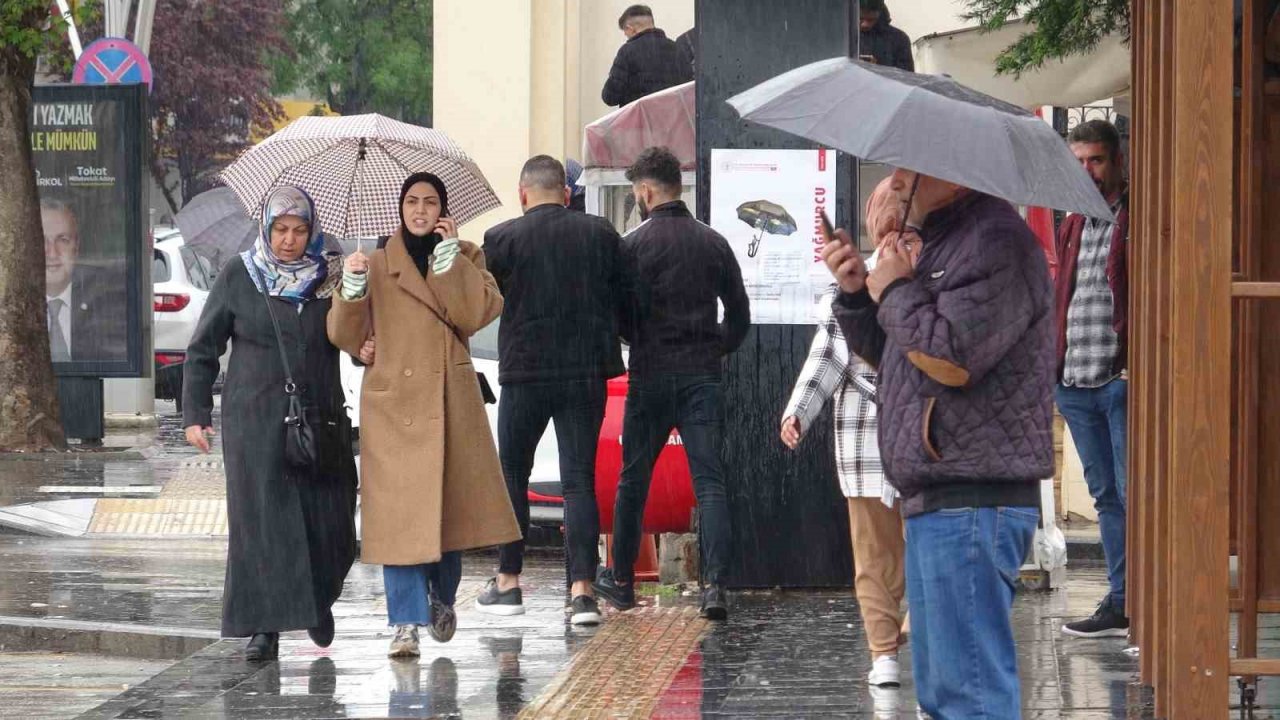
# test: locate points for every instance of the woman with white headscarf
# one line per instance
(291, 532)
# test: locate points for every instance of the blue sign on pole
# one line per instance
(112, 61)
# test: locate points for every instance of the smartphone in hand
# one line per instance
(828, 231)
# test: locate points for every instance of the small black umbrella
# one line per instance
(765, 217)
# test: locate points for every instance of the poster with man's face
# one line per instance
(88, 211)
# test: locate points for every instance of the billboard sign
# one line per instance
(89, 148)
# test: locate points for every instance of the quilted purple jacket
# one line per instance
(965, 353)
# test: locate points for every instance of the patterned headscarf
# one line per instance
(302, 279)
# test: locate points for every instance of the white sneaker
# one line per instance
(885, 701)
(405, 642)
(884, 671)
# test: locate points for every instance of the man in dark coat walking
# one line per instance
(648, 62)
(880, 40)
(564, 282)
(684, 271)
(963, 343)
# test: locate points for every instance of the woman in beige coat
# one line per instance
(431, 484)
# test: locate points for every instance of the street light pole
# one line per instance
(142, 28)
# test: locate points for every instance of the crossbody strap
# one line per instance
(289, 386)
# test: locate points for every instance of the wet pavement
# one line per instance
(782, 654)
(138, 458)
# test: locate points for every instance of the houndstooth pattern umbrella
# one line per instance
(353, 167)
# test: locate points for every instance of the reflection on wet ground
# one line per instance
(142, 458)
(782, 654)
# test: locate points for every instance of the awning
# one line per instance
(663, 118)
(969, 57)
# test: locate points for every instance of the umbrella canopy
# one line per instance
(929, 124)
(765, 217)
(353, 167)
(215, 225)
(662, 118)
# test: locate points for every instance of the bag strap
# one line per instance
(290, 387)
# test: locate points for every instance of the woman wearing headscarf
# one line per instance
(431, 483)
(875, 525)
(291, 533)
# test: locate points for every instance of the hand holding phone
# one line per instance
(842, 257)
(447, 227)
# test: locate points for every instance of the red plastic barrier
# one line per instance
(670, 505)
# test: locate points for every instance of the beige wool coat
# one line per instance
(430, 477)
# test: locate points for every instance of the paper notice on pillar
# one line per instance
(767, 204)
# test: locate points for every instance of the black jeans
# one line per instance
(694, 405)
(577, 407)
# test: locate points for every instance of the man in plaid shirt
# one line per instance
(1091, 301)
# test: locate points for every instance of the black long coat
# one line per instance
(291, 537)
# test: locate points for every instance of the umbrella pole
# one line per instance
(906, 212)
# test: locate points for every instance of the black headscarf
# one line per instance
(420, 247)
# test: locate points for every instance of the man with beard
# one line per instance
(1091, 303)
(880, 40)
(683, 268)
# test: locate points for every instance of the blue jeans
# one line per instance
(962, 564)
(694, 405)
(1097, 418)
(409, 588)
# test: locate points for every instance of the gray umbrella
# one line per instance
(929, 124)
(214, 224)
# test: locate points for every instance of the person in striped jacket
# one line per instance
(875, 523)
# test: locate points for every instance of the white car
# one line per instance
(181, 280)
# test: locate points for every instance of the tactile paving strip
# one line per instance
(625, 668)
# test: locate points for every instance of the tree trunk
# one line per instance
(28, 398)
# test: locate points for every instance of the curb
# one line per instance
(117, 639)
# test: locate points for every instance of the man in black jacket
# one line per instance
(880, 40)
(683, 270)
(564, 282)
(648, 62)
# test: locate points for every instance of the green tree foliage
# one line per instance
(361, 56)
(1061, 28)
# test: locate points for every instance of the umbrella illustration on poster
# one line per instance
(765, 217)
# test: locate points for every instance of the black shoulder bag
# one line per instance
(300, 448)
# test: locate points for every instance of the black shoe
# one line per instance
(322, 634)
(620, 595)
(585, 611)
(444, 621)
(1107, 621)
(500, 602)
(715, 604)
(263, 647)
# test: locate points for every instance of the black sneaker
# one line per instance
(500, 602)
(444, 621)
(1107, 621)
(620, 595)
(715, 604)
(585, 611)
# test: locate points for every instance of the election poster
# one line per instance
(85, 144)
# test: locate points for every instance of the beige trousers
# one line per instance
(878, 580)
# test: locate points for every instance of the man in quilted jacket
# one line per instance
(964, 347)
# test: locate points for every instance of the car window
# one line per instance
(484, 344)
(195, 271)
(209, 271)
(159, 268)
